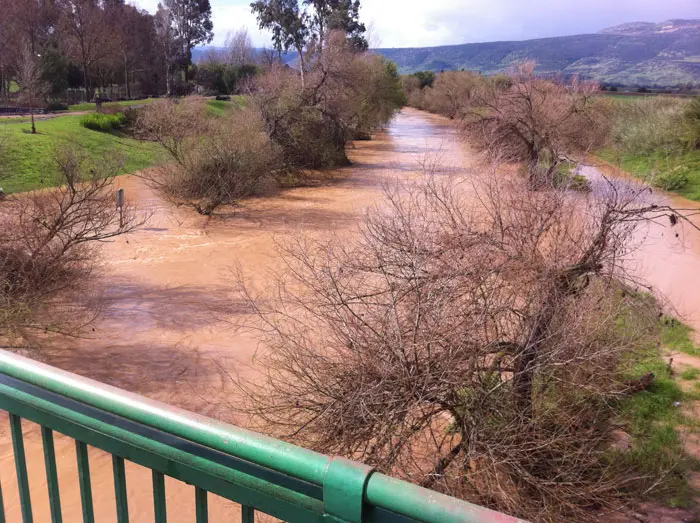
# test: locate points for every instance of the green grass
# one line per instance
(690, 374)
(104, 123)
(641, 165)
(677, 336)
(30, 163)
(622, 97)
(90, 106)
(14, 87)
(219, 107)
(652, 419)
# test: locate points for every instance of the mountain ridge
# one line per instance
(637, 53)
(632, 54)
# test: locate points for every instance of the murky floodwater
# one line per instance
(169, 304)
(166, 328)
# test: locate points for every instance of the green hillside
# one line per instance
(630, 54)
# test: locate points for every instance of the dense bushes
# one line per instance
(286, 129)
(104, 123)
(345, 95)
(520, 117)
(649, 124)
(215, 160)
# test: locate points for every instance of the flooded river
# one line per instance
(166, 329)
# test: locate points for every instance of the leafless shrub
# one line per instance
(472, 341)
(216, 160)
(451, 93)
(48, 246)
(538, 122)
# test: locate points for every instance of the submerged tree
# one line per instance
(476, 343)
(48, 247)
(536, 121)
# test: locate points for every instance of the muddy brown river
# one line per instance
(169, 305)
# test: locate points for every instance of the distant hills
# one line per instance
(633, 54)
(640, 53)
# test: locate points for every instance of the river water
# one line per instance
(166, 328)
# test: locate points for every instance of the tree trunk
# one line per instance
(301, 67)
(126, 78)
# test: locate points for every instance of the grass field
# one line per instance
(90, 106)
(643, 164)
(30, 158)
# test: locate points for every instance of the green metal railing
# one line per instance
(259, 473)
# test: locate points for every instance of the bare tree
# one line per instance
(87, 34)
(48, 246)
(31, 81)
(536, 121)
(216, 161)
(239, 48)
(471, 340)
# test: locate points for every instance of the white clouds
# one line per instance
(418, 23)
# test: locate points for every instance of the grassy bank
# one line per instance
(644, 165)
(654, 423)
(90, 106)
(678, 337)
(655, 139)
(30, 158)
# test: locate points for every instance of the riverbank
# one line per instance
(173, 324)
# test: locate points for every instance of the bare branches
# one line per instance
(47, 245)
(536, 121)
(471, 338)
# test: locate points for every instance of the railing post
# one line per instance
(344, 490)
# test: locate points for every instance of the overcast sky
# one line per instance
(419, 23)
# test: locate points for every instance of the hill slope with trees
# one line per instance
(630, 54)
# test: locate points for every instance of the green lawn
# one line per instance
(90, 106)
(219, 107)
(678, 337)
(641, 165)
(30, 158)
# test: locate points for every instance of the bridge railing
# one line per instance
(259, 473)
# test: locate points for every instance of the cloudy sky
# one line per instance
(418, 23)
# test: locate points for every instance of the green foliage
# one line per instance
(104, 123)
(222, 78)
(672, 180)
(30, 157)
(651, 141)
(426, 78)
(90, 106)
(677, 336)
(690, 374)
(565, 176)
(650, 124)
(652, 419)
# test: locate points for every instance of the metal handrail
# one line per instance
(336, 488)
